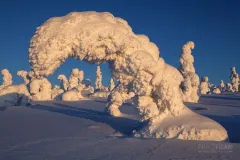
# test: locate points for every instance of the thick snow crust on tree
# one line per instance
(234, 79)
(40, 89)
(74, 79)
(98, 81)
(134, 62)
(64, 84)
(191, 80)
(204, 86)
(7, 78)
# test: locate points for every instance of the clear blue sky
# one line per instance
(213, 25)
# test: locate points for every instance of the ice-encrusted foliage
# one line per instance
(134, 62)
(191, 82)
(98, 81)
(111, 85)
(40, 89)
(7, 78)
(64, 84)
(204, 86)
(234, 79)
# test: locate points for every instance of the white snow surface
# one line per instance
(82, 130)
(134, 63)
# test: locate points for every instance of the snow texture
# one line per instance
(7, 78)
(204, 86)
(234, 79)
(191, 80)
(40, 89)
(74, 94)
(134, 62)
(14, 95)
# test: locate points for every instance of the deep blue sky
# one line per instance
(213, 25)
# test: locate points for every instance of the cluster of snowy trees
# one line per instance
(40, 89)
(232, 86)
(158, 89)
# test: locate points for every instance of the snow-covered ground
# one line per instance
(82, 131)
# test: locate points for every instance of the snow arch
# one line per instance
(134, 62)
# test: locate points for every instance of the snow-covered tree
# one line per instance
(204, 86)
(74, 79)
(229, 87)
(191, 82)
(134, 62)
(234, 79)
(14, 94)
(111, 85)
(98, 82)
(64, 84)
(222, 86)
(7, 78)
(40, 89)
